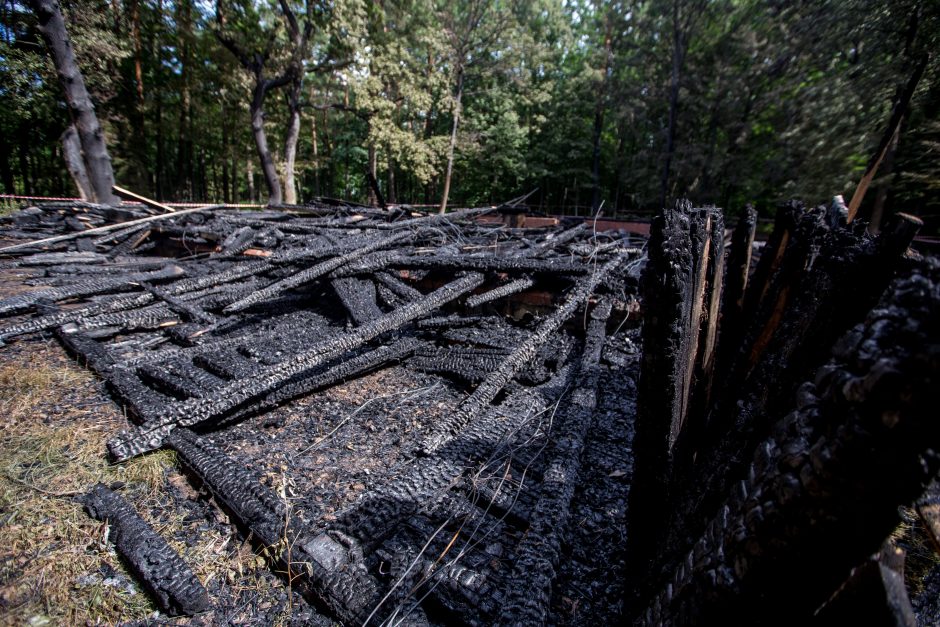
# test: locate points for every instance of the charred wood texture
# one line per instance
(508, 289)
(484, 394)
(306, 276)
(736, 283)
(448, 462)
(536, 559)
(164, 573)
(827, 280)
(823, 491)
(681, 284)
(196, 411)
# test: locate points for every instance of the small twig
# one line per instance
(42, 491)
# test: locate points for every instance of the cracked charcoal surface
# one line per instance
(878, 392)
(334, 378)
(168, 578)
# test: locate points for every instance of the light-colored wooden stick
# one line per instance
(105, 229)
(126, 193)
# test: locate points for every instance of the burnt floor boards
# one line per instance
(308, 368)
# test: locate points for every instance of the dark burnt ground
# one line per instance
(357, 417)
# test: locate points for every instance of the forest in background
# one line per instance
(625, 104)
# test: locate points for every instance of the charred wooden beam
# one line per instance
(512, 287)
(471, 364)
(331, 374)
(22, 302)
(427, 481)
(555, 239)
(129, 243)
(102, 229)
(529, 587)
(164, 573)
(327, 568)
(59, 318)
(377, 262)
(823, 491)
(315, 272)
(188, 311)
(399, 287)
(484, 394)
(196, 411)
(358, 296)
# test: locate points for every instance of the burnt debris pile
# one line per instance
(429, 419)
(429, 387)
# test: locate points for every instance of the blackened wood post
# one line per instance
(823, 491)
(736, 280)
(771, 256)
(830, 286)
(173, 584)
(667, 286)
(706, 359)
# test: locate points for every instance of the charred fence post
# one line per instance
(173, 585)
(682, 287)
(735, 287)
(822, 492)
(705, 313)
(825, 283)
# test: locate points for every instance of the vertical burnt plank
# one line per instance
(667, 285)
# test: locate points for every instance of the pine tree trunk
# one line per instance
(453, 140)
(184, 152)
(226, 149)
(6, 172)
(599, 122)
(94, 149)
(372, 199)
(679, 44)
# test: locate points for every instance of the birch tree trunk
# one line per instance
(94, 150)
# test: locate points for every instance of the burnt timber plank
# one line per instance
(163, 572)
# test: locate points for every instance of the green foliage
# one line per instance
(774, 99)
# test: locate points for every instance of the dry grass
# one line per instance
(51, 552)
(55, 565)
(8, 206)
